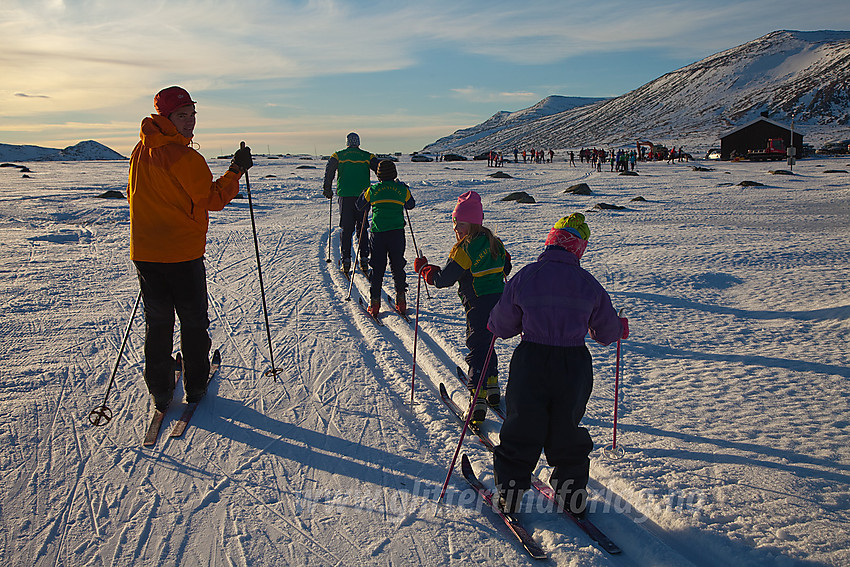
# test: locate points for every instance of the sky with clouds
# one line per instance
(297, 76)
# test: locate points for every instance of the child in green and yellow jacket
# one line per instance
(479, 263)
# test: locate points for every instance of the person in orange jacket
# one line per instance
(170, 190)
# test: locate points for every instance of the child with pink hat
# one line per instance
(479, 263)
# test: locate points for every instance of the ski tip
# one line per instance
(216, 359)
(464, 463)
(443, 390)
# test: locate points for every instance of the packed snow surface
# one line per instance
(734, 411)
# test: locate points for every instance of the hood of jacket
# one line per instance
(158, 131)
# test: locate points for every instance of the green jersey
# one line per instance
(387, 199)
(352, 171)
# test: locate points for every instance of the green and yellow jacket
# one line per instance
(388, 200)
(475, 269)
(351, 167)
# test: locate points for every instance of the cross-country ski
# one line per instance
(152, 433)
(180, 427)
(512, 521)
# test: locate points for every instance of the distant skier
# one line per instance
(351, 167)
(478, 262)
(171, 188)
(552, 303)
(388, 199)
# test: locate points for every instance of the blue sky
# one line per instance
(296, 77)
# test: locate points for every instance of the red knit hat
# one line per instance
(168, 100)
(469, 209)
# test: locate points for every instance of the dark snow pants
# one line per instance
(478, 338)
(351, 222)
(389, 244)
(166, 288)
(546, 397)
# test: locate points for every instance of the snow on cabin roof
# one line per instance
(759, 119)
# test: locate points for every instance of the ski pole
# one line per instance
(273, 371)
(616, 395)
(330, 226)
(102, 415)
(466, 423)
(415, 337)
(356, 254)
(615, 452)
(416, 248)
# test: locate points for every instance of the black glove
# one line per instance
(242, 158)
(328, 193)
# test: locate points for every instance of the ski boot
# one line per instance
(400, 304)
(374, 307)
(493, 395)
(510, 500)
(478, 406)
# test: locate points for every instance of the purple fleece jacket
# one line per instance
(554, 302)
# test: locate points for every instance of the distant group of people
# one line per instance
(537, 156)
(495, 159)
(552, 302)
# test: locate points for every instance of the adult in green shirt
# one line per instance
(351, 167)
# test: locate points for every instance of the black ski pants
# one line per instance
(351, 222)
(389, 244)
(166, 288)
(478, 338)
(546, 397)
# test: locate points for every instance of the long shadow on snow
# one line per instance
(658, 351)
(796, 460)
(839, 313)
(319, 450)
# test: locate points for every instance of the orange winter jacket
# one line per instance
(171, 189)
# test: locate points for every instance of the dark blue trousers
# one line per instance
(478, 338)
(166, 288)
(387, 245)
(351, 222)
(546, 397)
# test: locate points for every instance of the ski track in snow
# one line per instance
(733, 413)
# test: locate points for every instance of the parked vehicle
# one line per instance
(775, 150)
(421, 157)
(454, 157)
(713, 153)
(835, 148)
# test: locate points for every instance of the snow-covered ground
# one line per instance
(735, 416)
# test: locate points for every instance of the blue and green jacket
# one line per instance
(475, 269)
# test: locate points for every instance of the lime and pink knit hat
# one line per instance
(571, 234)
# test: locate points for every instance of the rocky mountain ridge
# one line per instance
(789, 74)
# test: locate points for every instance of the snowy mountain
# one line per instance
(84, 151)
(549, 106)
(803, 75)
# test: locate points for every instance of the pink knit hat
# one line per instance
(469, 209)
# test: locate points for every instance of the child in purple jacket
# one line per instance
(553, 302)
